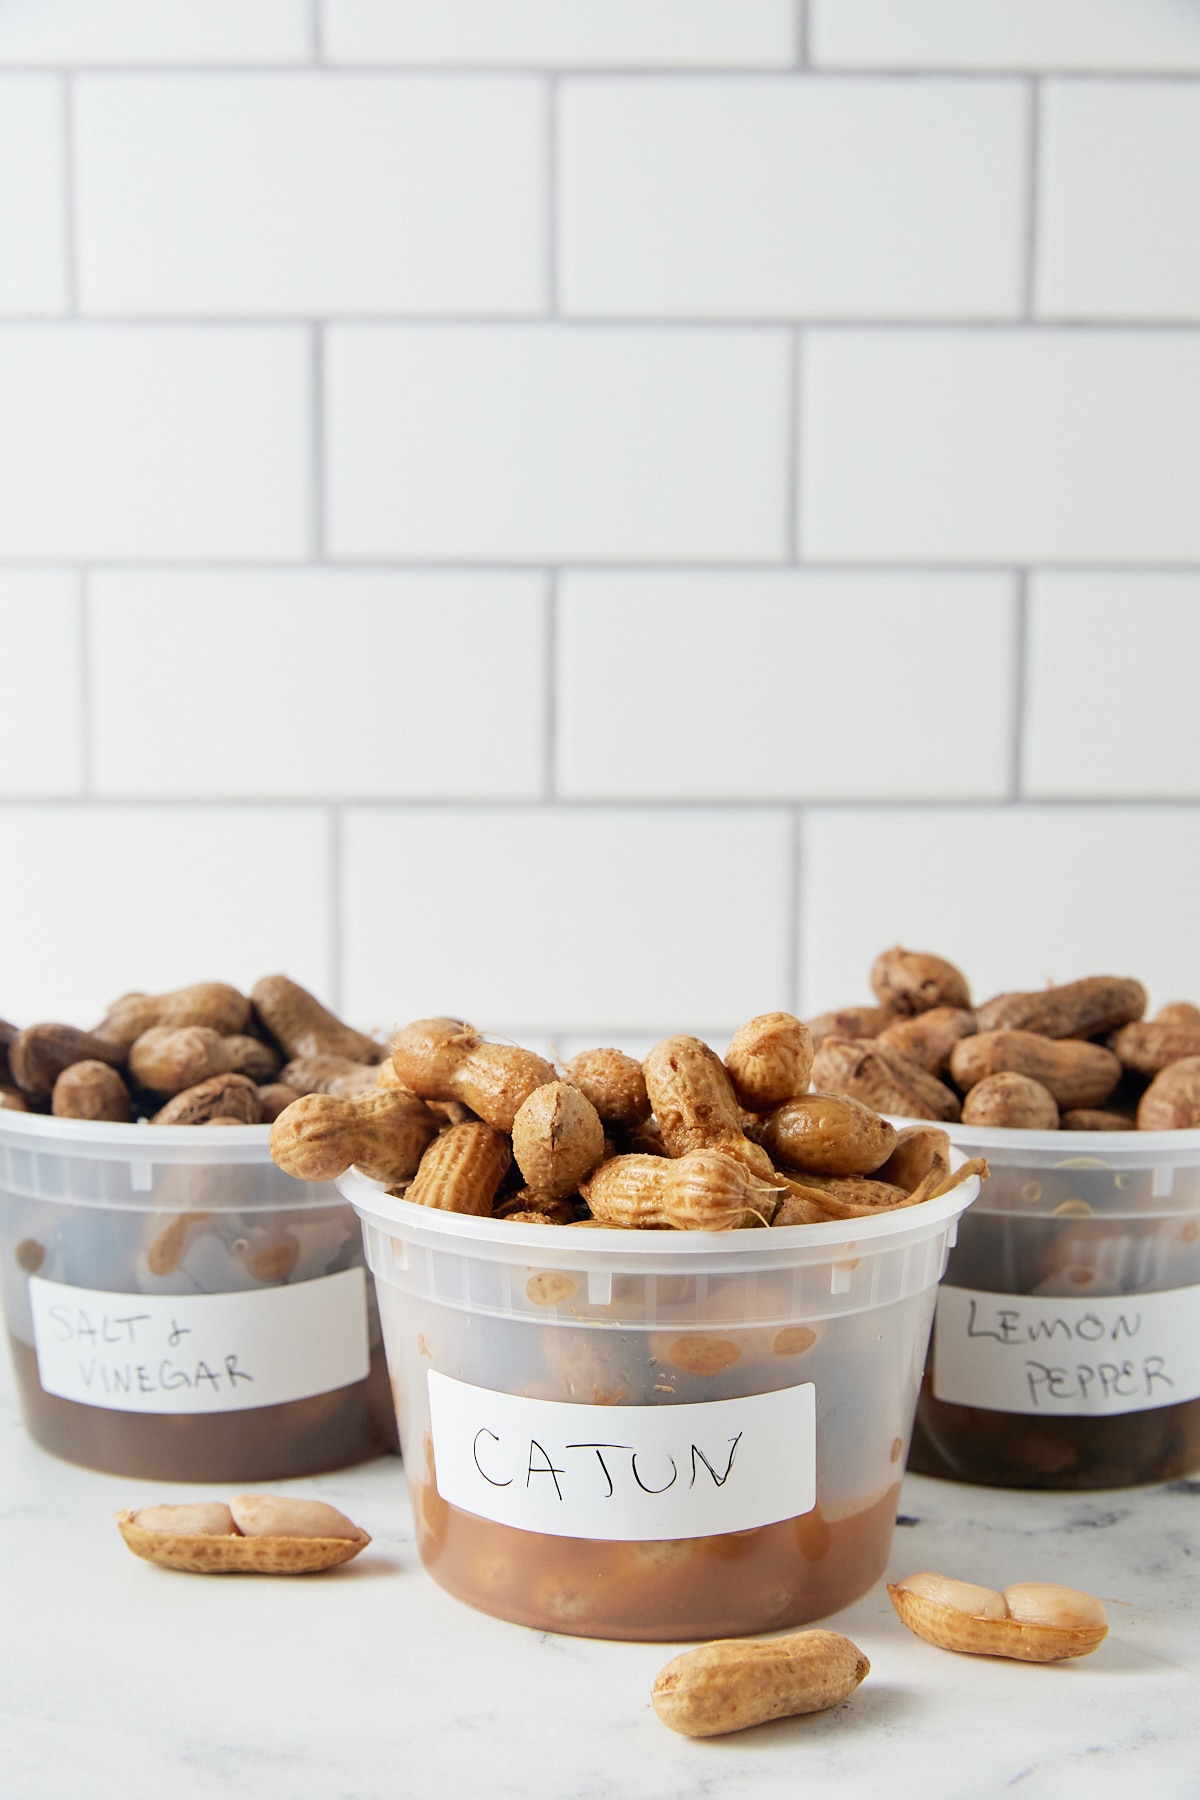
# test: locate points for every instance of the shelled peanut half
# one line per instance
(201, 1055)
(1077, 1056)
(680, 1142)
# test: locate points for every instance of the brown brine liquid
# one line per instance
(660, 1591)
(261, 1443)
(1006, 1254)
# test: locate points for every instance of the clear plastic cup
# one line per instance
(178, 1308)
(654, 1435)
(1066, 1348)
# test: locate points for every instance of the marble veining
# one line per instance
(125, 1682)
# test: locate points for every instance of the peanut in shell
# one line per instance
(907, 982)
(733, 1684)
(769, 1060)
(1151, 1046)
(614, 1083)
(828, 1134)
(1028, 1622)
(1172, 1101)
(1076, 1009)
(1011, 1100)
(883, 1079)
(557, 1139)
(929, 1037)
(461, 1170)
(1076, 1073)
(850, 1022)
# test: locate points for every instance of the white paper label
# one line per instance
(624, 1472)
(200, 1353)
(1022, 1353)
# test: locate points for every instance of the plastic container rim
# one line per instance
(1185, 1145)
(107, 1141)
(481, 1236)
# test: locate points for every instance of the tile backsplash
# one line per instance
(597, 514)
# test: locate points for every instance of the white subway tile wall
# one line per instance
(33, 237)
(598, 515)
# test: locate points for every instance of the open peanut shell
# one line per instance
(951, 1629)
(235, 1555)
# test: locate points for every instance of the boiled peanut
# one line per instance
(303, 1027)
(730, 1685)
(883, 1079)
(210, 1003)
(1076, 1073)
(273, 1098)
(224, 1097)
(266, 1534)
(770, 1060)
(166, 1059)
(929, 1037)
(38, 1055)
(443, 1059)
(1077, 1009)
(1172, 1101)
(614, 1083)
(912, 981)
(1149, 1047)
(13, 1100)
(91, 1090)
(383, 1131)
(801, 1206)
(462, 1169)
(919, 1149)
(695, 1105)
(704, 1190)
(852, 1196)
(204, 1518)
(7, 1033)
(1178, 1012)
(1090, 1118)
(850, 1022)
(280, 1515)
(828, 1134)
(526, 1208)
(557, 1139)
(331, 1075)
(250, 1056)
(1031, 1621)
(1012, 1100)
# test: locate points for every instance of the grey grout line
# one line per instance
(776, 806)
(69, 207)
(316, 43)
(316, 426)
(1020, 669)
(1045, 325)
(1032, 182)
(802, 51)
(534, 566)
(792, 537)
(716, 71)
(552, 198)
(794, 909)
(334, 901)
(550, 720)
(87, 746)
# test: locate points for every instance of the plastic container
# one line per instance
(179, 1308)
(648, 1434)
(1066, 1352)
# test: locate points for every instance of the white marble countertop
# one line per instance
(125, 1682)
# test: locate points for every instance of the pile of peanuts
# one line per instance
(202, 1055)
(682, 1141)
(1078, 1057)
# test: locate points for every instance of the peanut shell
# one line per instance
(1077, 1009)
(1076, 1073)
(912, 981)
(883, 1079)
(733, 1684)
(770, 1060)
(951, 1628)
(238, 1555)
